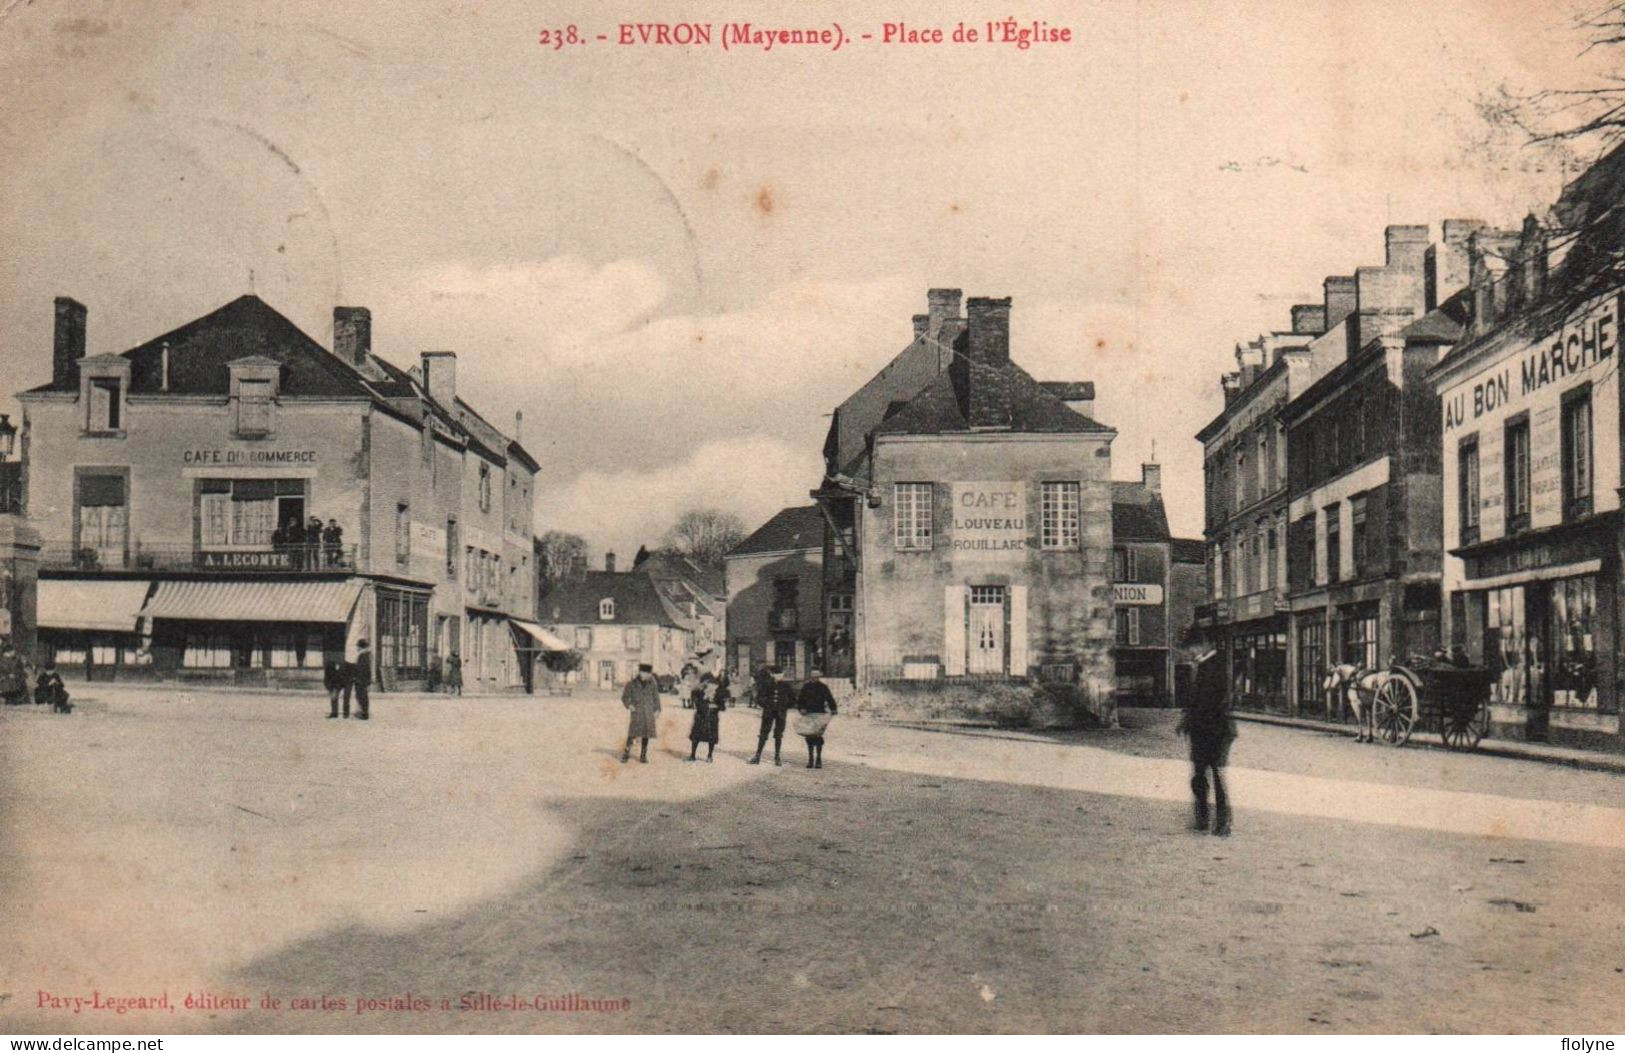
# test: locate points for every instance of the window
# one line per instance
(471, 569)
(1577, 461)
(1263, 462)
(1357, 536)
(1241, 478)
(403, 630)
(1573, 635)
(451, 549)
(245, 513)
(583, 638)
(1311, 663)
(606, 609)
(297, 650)
(1271, 547)
(1128, 626)
(786, 593)
(103, 519)
(485, 487)
(1517, 474)
(403, 535)
(207, 651)
(105, 411)
(1280, 454)
(1360, 639)
(633, 638)
(1467, 489)
(253, 407)
(1334, 543)
(1060, 529)
(1124, 565)
(913, 516)
(1218, 572)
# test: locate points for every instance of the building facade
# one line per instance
(776, 598)
(617, 620)
(1531, 450)
(969, 510)
(1149, 611)
(175, 485)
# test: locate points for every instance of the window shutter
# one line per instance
(801, 659)
(953, 630)
(1018, 630)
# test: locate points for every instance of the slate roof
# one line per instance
(637, 601)
(790, 530)
(1138, 514)
(1442, 325)
(936, 409)
(1188, 550)
(709, 582)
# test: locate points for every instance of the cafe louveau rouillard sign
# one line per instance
(990, 519)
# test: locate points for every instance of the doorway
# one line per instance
(606, 674)
(984, 653)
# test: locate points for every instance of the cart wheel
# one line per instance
(1464, 731)
(1396, 710)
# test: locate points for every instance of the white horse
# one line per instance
(1359, 689)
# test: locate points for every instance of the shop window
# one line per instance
(103, 520)
(1060, 528)
(1517, 474)
(105, 409)
(1577, 454)
(1467, 489)
(1360, 640)
(1311, 662)
(253, 407)
(1574, 643)
(912, 515)
(1510, 645)
(403, 631)
(1334, 543)
(1358, 556)
(294, 650)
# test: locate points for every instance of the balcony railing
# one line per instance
(283, 559)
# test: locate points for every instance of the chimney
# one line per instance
(68, 346)
(440, 375)
(1404, 245)
(1339, 299)
(352, 334)
(942, 304)
(1309, 319)
(920, 323)
(989, 399)
(609, 562)
(1447, 266)
(1151, 477)
(519, 426)
(1231, 383)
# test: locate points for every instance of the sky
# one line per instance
(676, 261)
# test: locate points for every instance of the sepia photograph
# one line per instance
(812, 519)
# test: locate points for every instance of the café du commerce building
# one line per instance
(1531, 482)
(233, 502)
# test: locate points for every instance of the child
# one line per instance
(706, 727)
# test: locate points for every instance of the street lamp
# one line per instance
(8, 436)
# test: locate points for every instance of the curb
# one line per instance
(1603, 762)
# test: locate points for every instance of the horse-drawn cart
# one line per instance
(1453, 700)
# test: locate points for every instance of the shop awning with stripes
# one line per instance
(326, 602)
(545, 640)
(103, 606)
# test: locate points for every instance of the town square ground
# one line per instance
(487, 864)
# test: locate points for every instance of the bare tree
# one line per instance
(563, 559)
(705, 535)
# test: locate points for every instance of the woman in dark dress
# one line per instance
(707, 702)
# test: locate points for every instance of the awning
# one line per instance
(108, 606)
(547, 640)
(327, 602)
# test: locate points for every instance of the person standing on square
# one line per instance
(361, 678)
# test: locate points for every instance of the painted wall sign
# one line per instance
(1137, 595)
(248, 457)
(245, 560)
(990, 519)
(1577, 348)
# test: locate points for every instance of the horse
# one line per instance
(1359, 687)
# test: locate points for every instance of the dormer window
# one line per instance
(253, 395)
(104, 383)
(105, 404)
(606, 610)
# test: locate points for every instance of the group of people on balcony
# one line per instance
(311, 544)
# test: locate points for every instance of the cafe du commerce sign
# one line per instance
(990, 519)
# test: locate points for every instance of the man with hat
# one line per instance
(1206, 721)
(360, 678)
(776, 701)
(641, 697)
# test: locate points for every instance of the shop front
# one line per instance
(1255, 654)
(95, 629)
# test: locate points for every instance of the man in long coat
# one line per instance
(641, 697)
(1207, 721)
(776, 702)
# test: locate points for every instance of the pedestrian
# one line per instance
(333, 543)
(336, 678)
(454, 674)
(49, 689)
(13, 675)
(641, 697)
(815, 708)
(686, 686)
(762, 685)
(708, 704)
(312, 538)
(1207, 722)
(776, 701)
(360, 679)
